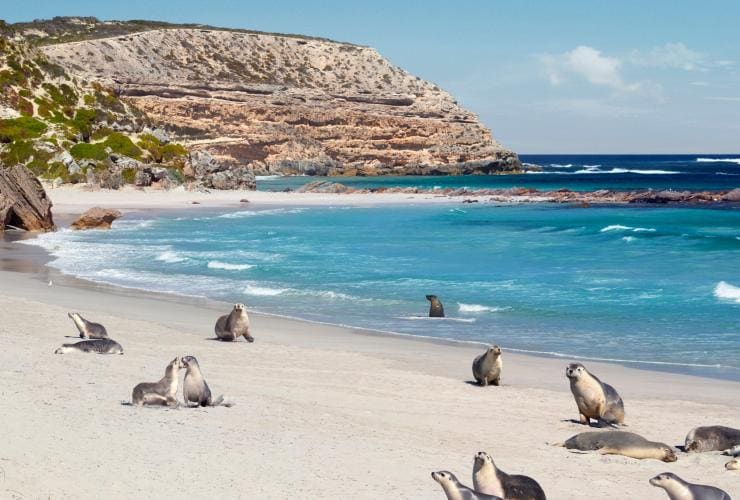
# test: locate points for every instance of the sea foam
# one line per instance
(170, 257)
(263, 291)
(713, 160)
(478, 308)
(724, 290)
(215, 264)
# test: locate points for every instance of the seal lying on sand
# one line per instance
(712, 438)
(88, 329)
(733, 464)
(489, 479)
(436, 310)
(233, 325)
(678, 489)
(99, 346)
(194, 386)
(457, 491)
(595, 399)
(163, 392)
(487, 367)
(628, 444)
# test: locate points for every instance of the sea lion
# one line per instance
(457, 491)
(678, 489)
(733, 452)
(489, 479)
(711, 438)
(194, 386)
(436, 310)
(623, 443)
(163, 392)
(487, 367)
(595, 399)
(88, 329)
(733, 464)
(233, 325)
(99, 346)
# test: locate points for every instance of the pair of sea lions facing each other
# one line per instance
(230, 327)
(678, 489)
(164, 392)
(489, 483)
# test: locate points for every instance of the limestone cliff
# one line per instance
(282, 104)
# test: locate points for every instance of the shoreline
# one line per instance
(368, 411)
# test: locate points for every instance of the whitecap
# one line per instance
(724, 290)
(643, 230)
(615, 227)
(215, 264)
(628, 239)
(170, 257)
(267, 177)
(422, 318)
(557, 165)
(478, 308)
(263, 291)
(257, 213)
(711, 160)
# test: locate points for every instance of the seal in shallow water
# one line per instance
(595, 399)
(234, 325)
(436, 310)
(88, 329)
(194, 386)
(623, 443)
(678, 489)
(458, 491)
(487, 367)
(712, 438)
(161, 393)
(489, 479)
(99, 346)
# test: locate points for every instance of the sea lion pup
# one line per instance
(436, 310)
(489, 479)
(457, 491)
(487, 367)
(595, 399)
(194, 386)
(733, 464)
(623, 443)
(678, 489)
(88, 329)
(99, 346)
(233, 325)
(163, 392)
(711, 438)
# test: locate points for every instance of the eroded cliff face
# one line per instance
(288, 105)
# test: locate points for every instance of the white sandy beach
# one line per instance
(321, 411)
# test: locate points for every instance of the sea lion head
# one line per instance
(495, 350)
(574, 371)
(662, 479)
(444, 477)
(187, 361)
(239, 307)
(177, 363)
(481, 459)
(733, 464)
(668, 454)
(432, 298)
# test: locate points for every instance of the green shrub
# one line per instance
(101, 133)
(128, 175)
(88, 151)
(83, 122)
(172, 151)
(25, 127)
(17, 152)
(57, 169)
(25, 107)
(121, 144)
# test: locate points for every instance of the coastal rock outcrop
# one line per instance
(96, 218)
(276, 104)
(23, 201)
(216, 175)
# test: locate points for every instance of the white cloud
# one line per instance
(588, 63)
(670, 55)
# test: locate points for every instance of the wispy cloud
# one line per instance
(592, 108)
(587, 63)
(723, 98)
(670, 55)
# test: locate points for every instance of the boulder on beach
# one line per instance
(23, 201)
(96, 218)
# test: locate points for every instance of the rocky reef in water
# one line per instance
(274, 103)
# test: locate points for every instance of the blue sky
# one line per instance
(546, 76)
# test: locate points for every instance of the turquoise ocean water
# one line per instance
(655, 287)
